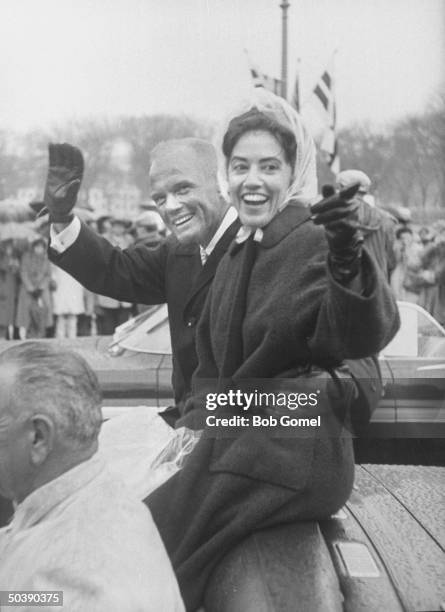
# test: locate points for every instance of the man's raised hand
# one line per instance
(63, 181)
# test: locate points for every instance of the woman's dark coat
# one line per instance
(296, 315)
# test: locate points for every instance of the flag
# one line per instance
(260, 79)
(295, 99)
(324, 92)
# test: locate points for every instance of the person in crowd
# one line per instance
(87, 321)
(92, 224)
(349, 177)
(149, 229)
(9, 269)
(34, 312)
(295, 292)
(180, 271)
(426, 236)
(111, 313)
(104, 227)
(76, 528)
(405, 280)
(432, 293)
(439, 230)
(378, 226)
(120, 233)
(68, 302)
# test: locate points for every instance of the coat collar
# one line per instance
(227, 222)
(280, 226)
(185, 250)
(44, 499)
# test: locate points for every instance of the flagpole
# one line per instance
(284, 6)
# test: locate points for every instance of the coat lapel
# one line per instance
(207, 272)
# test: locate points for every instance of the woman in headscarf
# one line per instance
(289, 296)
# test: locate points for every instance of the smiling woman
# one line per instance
(287, 297)
(259, 173)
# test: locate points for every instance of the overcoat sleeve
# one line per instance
(136, 274)
(355, 325)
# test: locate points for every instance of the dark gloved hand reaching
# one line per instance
(339, 215)
(63, 181)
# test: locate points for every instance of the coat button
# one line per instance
(191, 322)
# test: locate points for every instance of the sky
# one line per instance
(62, 59)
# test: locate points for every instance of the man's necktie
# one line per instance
(203, 255)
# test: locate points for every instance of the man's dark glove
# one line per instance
(63, 181)
(339, 215)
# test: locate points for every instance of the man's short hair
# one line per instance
(59, 383)
(202, 149)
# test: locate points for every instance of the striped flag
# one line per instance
(324, 91)
(295, 99)
(260, 79)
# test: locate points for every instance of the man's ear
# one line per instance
(43, 435)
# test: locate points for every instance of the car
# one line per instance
(385, 549)
(412, 365)
(413, 368)
(135, 367)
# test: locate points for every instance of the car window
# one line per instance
(149, 332)
(420, 335)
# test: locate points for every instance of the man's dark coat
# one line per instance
(171, 274)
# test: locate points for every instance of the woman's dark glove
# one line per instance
(339, 215)
(63, 181)
(36, 293)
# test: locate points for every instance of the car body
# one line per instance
(413, 369)
(385, 549)
(135, 368)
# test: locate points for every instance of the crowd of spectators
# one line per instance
(419, 274)
(39, 300)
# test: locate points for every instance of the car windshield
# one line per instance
(147, 333)
(420, 335)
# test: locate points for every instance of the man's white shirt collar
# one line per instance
(63, 240)
(227, 221)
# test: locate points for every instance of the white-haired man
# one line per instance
(75, 529)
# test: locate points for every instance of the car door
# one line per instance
(415, 360)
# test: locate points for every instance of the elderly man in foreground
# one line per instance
(75, 528)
